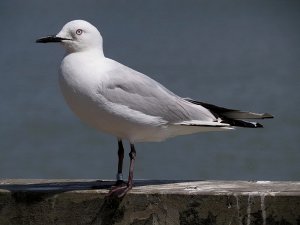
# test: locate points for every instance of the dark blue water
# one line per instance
(239, 54)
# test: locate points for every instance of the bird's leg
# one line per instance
(127, 188)
(119, 183)
(132, 156)
(120, 191)
(120, 163)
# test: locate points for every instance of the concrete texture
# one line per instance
(84, 202)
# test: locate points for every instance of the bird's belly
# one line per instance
(99, 115)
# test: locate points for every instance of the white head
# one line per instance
(77, 36)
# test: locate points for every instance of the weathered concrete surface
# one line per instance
(70, 202)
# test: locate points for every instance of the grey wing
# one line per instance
(138, 92)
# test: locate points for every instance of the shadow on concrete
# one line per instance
(66, 185)
(33, 191)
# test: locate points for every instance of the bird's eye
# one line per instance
(79, 32)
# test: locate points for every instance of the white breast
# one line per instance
(80, 88)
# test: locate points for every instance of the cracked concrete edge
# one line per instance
(199, 202)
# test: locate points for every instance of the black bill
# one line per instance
(51, 38)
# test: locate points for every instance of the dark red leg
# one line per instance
(121, 190)
(132, 156)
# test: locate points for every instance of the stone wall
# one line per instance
(84, 202)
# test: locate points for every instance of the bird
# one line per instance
(127, 104)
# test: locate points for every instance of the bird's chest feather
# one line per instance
(79, 81)
(78, 75)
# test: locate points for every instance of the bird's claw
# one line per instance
(120, 189)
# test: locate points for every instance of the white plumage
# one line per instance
(127, 104)
(121, 101)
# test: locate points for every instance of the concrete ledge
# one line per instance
(84, 202)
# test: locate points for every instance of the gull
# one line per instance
(120, 101)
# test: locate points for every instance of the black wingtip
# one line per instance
(258, 125)
(39, 41)
(242, 123)
(267, 116)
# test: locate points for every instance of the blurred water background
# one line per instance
(239, 54)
